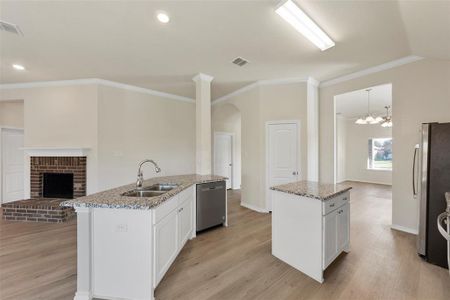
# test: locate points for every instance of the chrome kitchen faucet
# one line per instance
(140, 176)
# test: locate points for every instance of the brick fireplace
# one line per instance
(53, 179)
(57, 165)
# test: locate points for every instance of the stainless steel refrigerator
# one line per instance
(431, 180)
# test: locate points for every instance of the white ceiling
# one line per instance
(354, 104)
(122, 41)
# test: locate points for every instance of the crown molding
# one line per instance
(202, 77)
(260, 83)
(87, 81)
(314, 82)
(371, 70)
(144, 90)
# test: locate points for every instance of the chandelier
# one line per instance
(387, 121)
(371, 119)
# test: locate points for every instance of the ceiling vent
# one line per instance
(240, 61)
(9, 27)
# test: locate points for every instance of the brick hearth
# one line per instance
(37, 210)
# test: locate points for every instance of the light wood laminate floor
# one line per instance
(38, 261)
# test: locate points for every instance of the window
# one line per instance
(380, 154)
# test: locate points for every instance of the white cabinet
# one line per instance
(330, 226)
(174, 226)
(309, 234)
(185, 221)
(336, 226)
(165, 244)
(343, 225)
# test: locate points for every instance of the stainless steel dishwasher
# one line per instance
(211, 209)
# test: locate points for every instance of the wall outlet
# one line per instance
(122, 228)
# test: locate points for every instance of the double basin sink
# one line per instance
(151, 191)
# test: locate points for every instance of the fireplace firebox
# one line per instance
(57, 185)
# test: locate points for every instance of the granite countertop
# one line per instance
(312, 189)
(113, 198)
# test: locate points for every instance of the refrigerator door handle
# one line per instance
(414, 171)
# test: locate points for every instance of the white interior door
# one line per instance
(282, 147)
(223, 156)
(12, 165)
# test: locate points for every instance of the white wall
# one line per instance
(62, 116)
(120, 128)
(264, 103)
(341, 144)
(228, 119)
(11, 113)
(134, 126)
(420, 93)
(356, 148)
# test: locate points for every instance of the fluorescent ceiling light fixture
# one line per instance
(292, 14)
(18, 67)
(163, 17)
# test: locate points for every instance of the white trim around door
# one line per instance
(296, 171)
(232, 163)
(11, 171)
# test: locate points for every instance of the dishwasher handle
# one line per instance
(217, 187)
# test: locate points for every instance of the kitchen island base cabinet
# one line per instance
(309, 233)
(172, 232)
(124, 253)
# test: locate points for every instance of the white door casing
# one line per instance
(223, 156)
(12, 165)
(282, 155)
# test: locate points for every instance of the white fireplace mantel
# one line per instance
(55, 151)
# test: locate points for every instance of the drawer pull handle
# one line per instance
(345, 199)
(332, 205)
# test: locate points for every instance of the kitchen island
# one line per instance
(126, 244)
(310, 225)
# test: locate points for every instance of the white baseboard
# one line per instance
(82, 296)
(404, 229)
(362, 181)
(252, 207)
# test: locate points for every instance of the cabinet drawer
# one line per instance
(334, 203)
(165, 208)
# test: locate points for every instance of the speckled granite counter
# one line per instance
(113, 198)
(311, 189)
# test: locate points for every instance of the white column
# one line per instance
(312, 98)
(84, 290)
(203, 123)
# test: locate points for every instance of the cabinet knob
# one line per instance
(332, 205)
(345, 199)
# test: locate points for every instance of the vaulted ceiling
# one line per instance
(122, 40)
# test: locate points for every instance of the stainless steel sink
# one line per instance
(151, 191)
(165, 187)
(142, 193)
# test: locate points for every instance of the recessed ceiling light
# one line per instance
(163, 17)
(18, 67)
(292, 14)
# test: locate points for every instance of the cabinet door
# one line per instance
(330, 223)
(165, 244)
(185, 221)
(343, 227)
